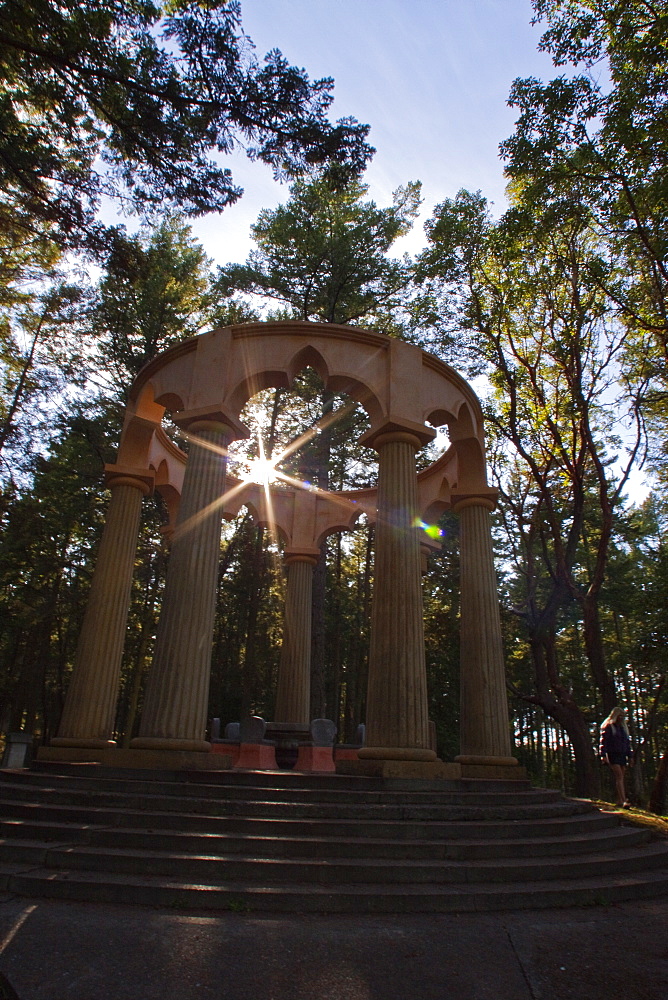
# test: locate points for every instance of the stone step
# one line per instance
(332, 897)
(452, 795)
(460, 822)
(473, 810)
(269, 779)
(296, 846)
(218, 868)
(237, 842)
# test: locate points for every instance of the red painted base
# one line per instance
(320, 759)
(230, 749)
(256, 757)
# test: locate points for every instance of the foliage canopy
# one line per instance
(138, 101)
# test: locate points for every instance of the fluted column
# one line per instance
(484, 727)
(293, 693)
(90, 708)
(397, 722)
(177, 690)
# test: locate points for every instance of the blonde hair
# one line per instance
(616, 717)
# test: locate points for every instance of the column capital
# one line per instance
(123, 475)
(310, 556)
(207, 418)
(393, 429)
(483, 498)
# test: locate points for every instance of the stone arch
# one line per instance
(307, 357)
(273, 378)
(251, 384)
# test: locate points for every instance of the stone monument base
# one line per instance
(437, 770)
(430, 770)
(256, 757)
(315, 760)
(162, 760)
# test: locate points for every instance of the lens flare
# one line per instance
(260, 470)
(431, 530)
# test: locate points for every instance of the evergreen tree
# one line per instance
(137, 102)
(324, 255)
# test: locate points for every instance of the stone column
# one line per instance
(177, 690)
(293, 694)
(397, 722)
(484, 727)
(90, 709)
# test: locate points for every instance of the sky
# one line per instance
(431, 78)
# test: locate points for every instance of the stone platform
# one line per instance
(161, 760)
(281, 842)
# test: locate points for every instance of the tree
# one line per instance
(635, 603)
(598, 136)
(324, 255)
(49, 532)
(136, 101)
(42, 364)
(559, 395)
(155, 292)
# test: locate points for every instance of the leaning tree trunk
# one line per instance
(558, 703)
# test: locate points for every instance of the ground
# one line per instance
(86, 951)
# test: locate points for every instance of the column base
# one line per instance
(397, 753)
(169, 743)
(346, 753)
(491, 768)
(75, 741)
(152, 760)
(430, 770)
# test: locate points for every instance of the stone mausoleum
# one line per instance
(205, 383)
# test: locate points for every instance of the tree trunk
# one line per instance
(249, 667)
(558, 703)
(593, 639)
(316, 470)
(657, 799)
(318, 686)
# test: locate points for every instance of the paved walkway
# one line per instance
(88, 951)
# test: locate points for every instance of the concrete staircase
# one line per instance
(271, 842)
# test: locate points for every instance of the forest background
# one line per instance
(555, 308)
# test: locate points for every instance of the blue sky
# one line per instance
(431, 77)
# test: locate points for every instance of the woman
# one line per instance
(616, 751)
